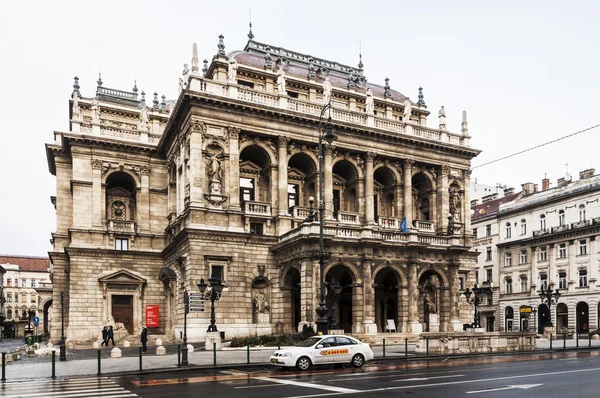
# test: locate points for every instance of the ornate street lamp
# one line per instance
(336, 289)
(549, 298)
(478, 294)
(216, 288)
(186, 309)
(63, 348)
(327, 135)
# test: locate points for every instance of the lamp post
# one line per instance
(336, 289)
(328, 135)
(63, 348)
(534, 313)
(478, 294)
(186, 309)
(214, 294)
(549, 297)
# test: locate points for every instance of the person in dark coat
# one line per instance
(144, 339)
(111, 336)
(104, 337)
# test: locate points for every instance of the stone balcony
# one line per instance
(121, 226)
(424, 226)
(257, 209)
(388, 222)
(346, 217)
(300, 213)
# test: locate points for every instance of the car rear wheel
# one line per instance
(358, 360)
(303, 363)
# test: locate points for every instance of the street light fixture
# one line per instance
(336, 289)
(327, 135)
(549, 298)
(216, 288)
(63, 348)
(186, 309)
(478, 294)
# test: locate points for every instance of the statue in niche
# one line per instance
(326, 90)
(95, 111)
(429, 305)
(144, 118)
(215, 169)
(407, 110)
(232, 71)
(369, 103)
(455, 204)
(260, 302)
(281, 81)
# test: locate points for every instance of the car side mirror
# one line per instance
(319, 346)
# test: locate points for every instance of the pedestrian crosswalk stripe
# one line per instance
(100, 387)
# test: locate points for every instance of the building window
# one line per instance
(23, 283)
(582, 247)
(488, 253)
(9, 314)
(245, 83)
(9, 297)
(561, 218)
(293, 195)
(16, 297)
(256, 228)
(9, 282)
(508, 285)
(523, 257)
(23, 299)
(543, 254)
(581, 212)
(217, 271)
(542, 222)
(474, 233)
(488, 274)
(33, 283)
(524, 284)
(508, 230)
(562, 280)
(507, 259)
(246, 189)
(523, 227)
(488, 230)
(543, 281)
(562, 250)
(583, 282)
(461, 283)
(121, 244)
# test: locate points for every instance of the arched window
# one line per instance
(523, 227)
(581, 212)
(9, 314)
(508, 230)
(543, 222)
(561, 218)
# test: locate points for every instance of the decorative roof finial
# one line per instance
(163, 103)
(76, 87)
(464, 125)
(387, 91)
(155, 101)
(143, 100)
(195, 66)
(135, 89)
(221, 45)
(360, 63)
(99, 79)
(268, 61)
(421, 97)
(250, 34)
(205, 67)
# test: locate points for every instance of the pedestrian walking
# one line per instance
(144, 339)
(104, 337)
(111, 336)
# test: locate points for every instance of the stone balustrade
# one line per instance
(346, 217)
(388, 222)
(121, 226)
(257, 208)
(425, 226)
(300, 213)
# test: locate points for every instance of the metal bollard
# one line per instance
(99, 363)
(384, 347)
(589, 340)
(214, 354)
(178, 355)
(577, 338)
(54, 364)
(247, 352)
(278, 345)
(405, 347)
(565, 340)
(140, 358)
(427, 350)
(3, 367)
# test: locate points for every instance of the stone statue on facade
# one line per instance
(260, 302)
(407, 110)
(429, 305)
(143, 118)
(369, 103)
(232, 70)
(183, 80)
(215, 169)
(455, 204)
(326, 90)
(95, 111)
(281, 81)
(442, 117)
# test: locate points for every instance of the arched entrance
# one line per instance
(386, 298)
(430, 290)
(543, 318)
(562, 317)
(509, 314)
(293, 288)
(340, 305)
(583, 317)
(47, 313)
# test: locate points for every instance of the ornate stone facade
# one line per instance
(221, 184)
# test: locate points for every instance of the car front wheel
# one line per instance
(358, 360)
(303, 363)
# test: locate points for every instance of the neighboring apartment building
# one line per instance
(152, 198)
(27, 287)
(548, 239)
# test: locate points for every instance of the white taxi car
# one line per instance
(323, 350)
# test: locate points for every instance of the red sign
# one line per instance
(152, 316)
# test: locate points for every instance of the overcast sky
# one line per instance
(526, 72)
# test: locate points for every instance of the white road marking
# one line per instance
(427, 378)
(520, 386)
(339, 390)
(67, 388)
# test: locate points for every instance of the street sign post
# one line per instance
(196, 302)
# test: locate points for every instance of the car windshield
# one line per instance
(308, 342)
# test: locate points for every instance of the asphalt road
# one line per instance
(562, 375)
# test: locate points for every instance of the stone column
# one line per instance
(414, 326)
(466, 207)
(368, 324)
(282, 183)
(455, 325)
(196, 163)
(144, 206)
(97, 193)
(443, 199)
(308, 304)
(234, 168)
(328, 181)
(408, 211)
(369, 194)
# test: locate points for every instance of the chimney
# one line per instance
(545, 184)
(528, 188)
(489, 198)
(561, 182)
(587, 173)
(509, 191)
(535, 188)
(474, 202)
